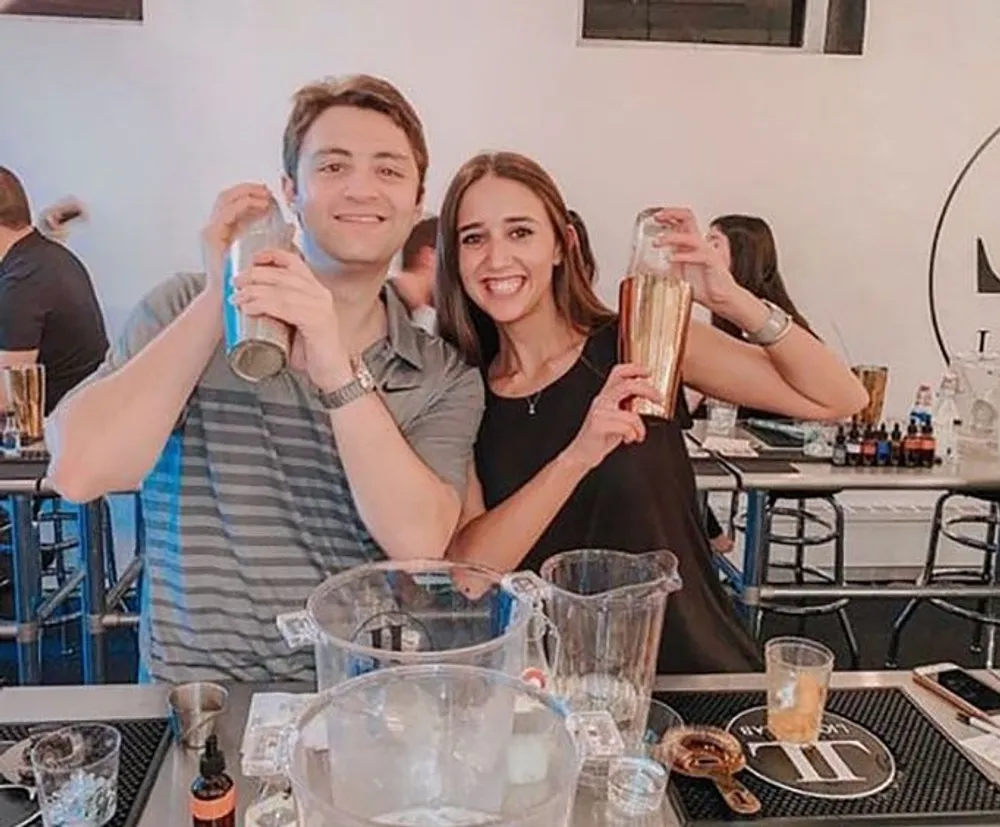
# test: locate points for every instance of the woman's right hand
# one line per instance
(607, 424)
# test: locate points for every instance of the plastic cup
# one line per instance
(76, 773)
(798, 680)
(637, 779)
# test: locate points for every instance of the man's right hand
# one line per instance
(233, 207)
(607, 425)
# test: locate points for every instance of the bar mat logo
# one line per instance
(848, 762)
(963, 275)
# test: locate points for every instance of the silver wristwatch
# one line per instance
(362, 384)
(777, 326)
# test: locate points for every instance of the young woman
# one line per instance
(746, 247)
(559, 464)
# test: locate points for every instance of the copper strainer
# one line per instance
(712, 753)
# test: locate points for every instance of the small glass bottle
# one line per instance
(854, 445)
(912, 446)
(883, 447)
(654, 306)
(839, 456)
(869, 446)
(213, 793)
(896, 446)
(10, 441)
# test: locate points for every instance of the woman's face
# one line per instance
(717, 239)
(507, 249)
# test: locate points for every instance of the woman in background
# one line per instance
(745, 243)
(559, 464)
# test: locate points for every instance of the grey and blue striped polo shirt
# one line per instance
(248, 508)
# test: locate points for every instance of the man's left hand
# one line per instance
(281, 285)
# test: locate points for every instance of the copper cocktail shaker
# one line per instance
(654, 307)
(24, 389)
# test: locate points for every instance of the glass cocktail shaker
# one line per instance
(654, 306)
(257, 347)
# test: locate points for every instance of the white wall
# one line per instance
(850, 158)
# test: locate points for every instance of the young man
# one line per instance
(254, 493)
(415, 280)
(49, 311)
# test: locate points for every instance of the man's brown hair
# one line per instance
(423, 236)
(360, 92)
(15, 211)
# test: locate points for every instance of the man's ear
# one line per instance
(290, 193)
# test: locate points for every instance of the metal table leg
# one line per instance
(27, 569)
(93, 607)
(755, 554)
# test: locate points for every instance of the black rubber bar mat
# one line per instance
(704, 467)
(762, 465)
(884, 763)
(793, 455)
(144, 746)
(23, 468)
(771, 438)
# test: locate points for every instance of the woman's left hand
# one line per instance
(711, 282)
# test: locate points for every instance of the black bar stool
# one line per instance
(986, 614)
(811, 529)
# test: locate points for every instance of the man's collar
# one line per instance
(402, 333)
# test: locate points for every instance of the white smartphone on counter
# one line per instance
(963, 690)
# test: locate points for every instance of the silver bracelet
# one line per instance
(777, 326)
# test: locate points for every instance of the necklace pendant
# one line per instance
(531, 408)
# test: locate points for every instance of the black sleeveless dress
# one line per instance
(641, 498)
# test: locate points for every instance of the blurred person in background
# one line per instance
(49, 312)
(746, 245)
(415, 280)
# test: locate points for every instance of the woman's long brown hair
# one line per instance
(754, 265)
(460, 321)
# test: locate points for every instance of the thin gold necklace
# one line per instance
(532, 400)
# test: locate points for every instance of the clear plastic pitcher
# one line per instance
(434, 745)
(607, 608)
(409, 613)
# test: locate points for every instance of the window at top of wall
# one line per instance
(832, 26)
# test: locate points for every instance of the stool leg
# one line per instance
(991, 603)
(986, 576)
(976, 647)
(768, 522)
(926, 576)
(58, 537)
(840, 578)
(800, 557)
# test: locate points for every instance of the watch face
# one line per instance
(365, 378)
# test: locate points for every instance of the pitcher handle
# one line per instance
(540, 668)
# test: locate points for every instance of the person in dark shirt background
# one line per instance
(415, 279)
(747, 246)
(49, 311)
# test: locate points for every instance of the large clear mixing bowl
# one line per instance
(432, 745)
(399, 613)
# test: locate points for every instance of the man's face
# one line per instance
(356, 193)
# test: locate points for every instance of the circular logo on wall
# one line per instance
(963, 279)
(847, 762)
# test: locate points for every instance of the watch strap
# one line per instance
(361, 385)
